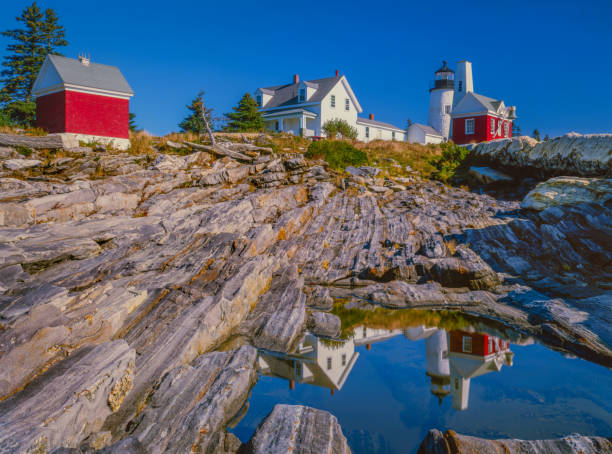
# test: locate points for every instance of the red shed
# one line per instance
(87, 100)
(477, 118)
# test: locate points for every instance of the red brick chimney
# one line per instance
(296, 78)
(337, 73)
(371, 116)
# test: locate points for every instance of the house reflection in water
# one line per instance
(452, 359)
(316, 361)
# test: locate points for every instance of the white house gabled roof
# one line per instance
(427, 129)
(59, 72)
(287, 95)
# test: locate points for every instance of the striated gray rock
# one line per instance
(70, 402)
(453, 443)
(571, 154)
(21, 164)
(324, 324)
(568, 191)
(192, 403)
(184, 260)
(299, 430)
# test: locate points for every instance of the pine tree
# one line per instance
(132, 123)
(245, 116)
(41, 34)
(536, 134)
(53, 34)
(546, 138)
(408, 123)
(194, 121)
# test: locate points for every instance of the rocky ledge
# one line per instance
(134, 288)
(453, 443)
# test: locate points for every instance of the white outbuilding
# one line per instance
(418, 133)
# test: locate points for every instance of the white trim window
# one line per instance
(492, 126)
(469, 126)
(259, 101)
(447, 109)
(367, 137)
(506, 128)
(347, 104)
(333, 101)
(302, 95)
(392, 135)
(329, 363)
(466, 346)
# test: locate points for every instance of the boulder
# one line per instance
(298, 429)
(571, 154)
(324, 324)
(568, 191)
(453, 443)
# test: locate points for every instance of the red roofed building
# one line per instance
(87, 100)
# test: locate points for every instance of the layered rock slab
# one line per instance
(453, 443)
(297, 429)
(69, 402)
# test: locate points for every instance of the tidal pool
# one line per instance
(388, 387)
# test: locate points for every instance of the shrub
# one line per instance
(141, 143)
(451, 163)
(332, 128)
(338, 154)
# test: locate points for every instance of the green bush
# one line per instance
(451, 163)
(332, 128)
(338, 154)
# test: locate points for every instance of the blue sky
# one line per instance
(552, 59)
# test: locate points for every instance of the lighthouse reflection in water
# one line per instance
(453, 359)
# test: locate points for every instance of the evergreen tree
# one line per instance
(194, 121)
(245, 116)
(546, 138)
(132, 123)
(408, 123)
(53, 34)
(41, 34)
(536, 134)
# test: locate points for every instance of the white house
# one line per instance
(418, 133)
(303, 107)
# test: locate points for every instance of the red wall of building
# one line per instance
(51, 112)
(83, 113)
(97, 115)
(479, 342)
(482, 130)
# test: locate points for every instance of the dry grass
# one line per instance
(393, 157)
(30, 131)
(141, 143)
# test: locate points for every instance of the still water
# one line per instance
(388, 387)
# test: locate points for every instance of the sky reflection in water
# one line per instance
(388, 388)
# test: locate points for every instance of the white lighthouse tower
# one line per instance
(463, 82)
(441, 100)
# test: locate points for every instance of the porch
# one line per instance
(296, 121)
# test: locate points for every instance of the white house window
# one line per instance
(298, 369)
(329, 363)
(467, 344)
(302, 94)
(506, 129)
(447, 109)
(460, 85)
(492, 126)
(276, 125)
(259, 101)
(333, 100)
(393, 135)
(347, 106)
(367, 136)
(469, 126)
(490, 349)
(344, 359)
